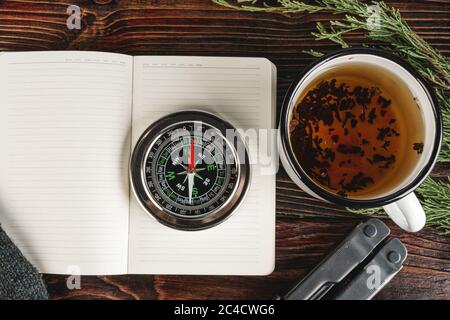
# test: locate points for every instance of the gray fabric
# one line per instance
(19, 280)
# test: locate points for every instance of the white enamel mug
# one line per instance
(399, 202)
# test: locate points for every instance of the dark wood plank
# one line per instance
(307, 229)
(301, 244)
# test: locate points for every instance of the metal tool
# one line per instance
(345, 275)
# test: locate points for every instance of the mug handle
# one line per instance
(407, 213)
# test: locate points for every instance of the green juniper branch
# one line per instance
(381, 23)
(385, 26)
(434, 197)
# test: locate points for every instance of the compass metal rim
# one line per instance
(145, 198)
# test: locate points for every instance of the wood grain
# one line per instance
(307, 229)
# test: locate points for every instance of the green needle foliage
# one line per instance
(386, 29)
(434, 197)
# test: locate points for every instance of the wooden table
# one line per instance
(307, 229)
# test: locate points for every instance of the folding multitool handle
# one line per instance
(356, 247)
(386, 263)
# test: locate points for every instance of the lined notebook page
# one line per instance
(65, 122)
(242, 91)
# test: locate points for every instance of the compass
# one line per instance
(190, 170)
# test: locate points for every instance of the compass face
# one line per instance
(186, 173)
(189, 172)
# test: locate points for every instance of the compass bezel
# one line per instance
(151, 205)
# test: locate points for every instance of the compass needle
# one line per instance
(190, 185)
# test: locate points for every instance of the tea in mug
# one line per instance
(356, 131)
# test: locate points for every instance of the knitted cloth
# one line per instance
(19, 280)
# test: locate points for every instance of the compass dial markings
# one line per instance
(190, 196)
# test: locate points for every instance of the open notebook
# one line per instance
(68, 121)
